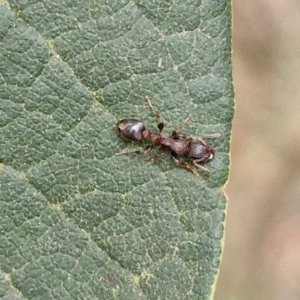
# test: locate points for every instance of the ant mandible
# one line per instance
(196, 150)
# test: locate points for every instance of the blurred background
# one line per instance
(261, 258)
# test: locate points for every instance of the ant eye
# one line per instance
(131, 129)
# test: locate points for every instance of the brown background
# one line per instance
(261, 258)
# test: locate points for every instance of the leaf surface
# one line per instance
(77, 222)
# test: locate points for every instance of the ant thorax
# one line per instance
(179, 147)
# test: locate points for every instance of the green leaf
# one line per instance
(77, 222)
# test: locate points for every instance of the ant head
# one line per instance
(200, 150)
(131, 129)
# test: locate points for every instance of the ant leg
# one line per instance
(159, 118)
(211, 136)
(208, 136)
(207, 171)
(158, 155)
(184, 165)
(182, 136)
(180, 127)
(199, 138)
(175, 134)
(148, 149)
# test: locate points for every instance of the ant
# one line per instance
(196, 150)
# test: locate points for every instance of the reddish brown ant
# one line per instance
(196, 150)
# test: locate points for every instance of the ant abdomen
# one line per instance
(132, 129)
